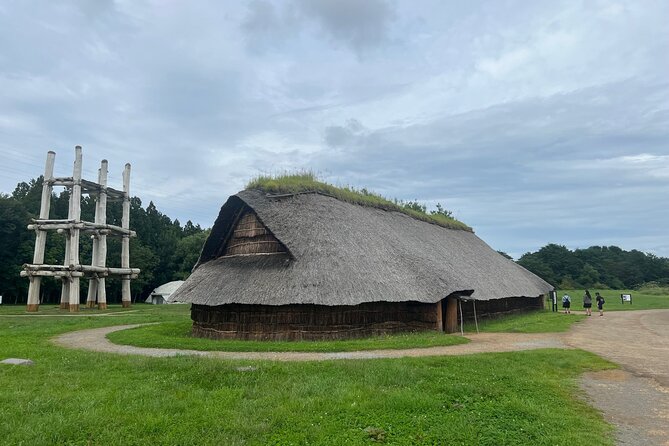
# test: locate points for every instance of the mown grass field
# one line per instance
(74, 397)
(547, 321)
(641, 300)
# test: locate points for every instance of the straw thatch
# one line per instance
(315, 249)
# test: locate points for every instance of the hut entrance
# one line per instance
(449, 308)
(250, 237)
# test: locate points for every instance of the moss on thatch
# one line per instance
(308, 182)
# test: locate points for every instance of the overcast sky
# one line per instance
(534, 122)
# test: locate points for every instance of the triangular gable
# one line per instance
(250, 237)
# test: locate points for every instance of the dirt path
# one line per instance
(635, 399)
(95, 339)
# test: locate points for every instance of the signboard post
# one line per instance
(552, 296)
(626, 298)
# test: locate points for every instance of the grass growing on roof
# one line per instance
(308, 182)
(78, 398)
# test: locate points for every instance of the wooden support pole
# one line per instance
(65, 286)
(102, 240)
(462, 321)
(475, 318)
(40, 237)
(125, 241)
(74, 233)
(451, 323)
(95, 253)
(440, 316)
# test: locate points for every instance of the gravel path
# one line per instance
(635, 399)
(95, 339)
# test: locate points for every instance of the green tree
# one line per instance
(538, 266)
(187, 252)
(589, 276)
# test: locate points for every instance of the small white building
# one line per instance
(161, 295)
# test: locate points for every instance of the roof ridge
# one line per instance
(292, 194)
(453, 224)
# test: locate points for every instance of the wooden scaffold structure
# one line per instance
(71, 271)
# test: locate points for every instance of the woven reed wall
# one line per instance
(498, 307)
(250, 236)
(310, 322)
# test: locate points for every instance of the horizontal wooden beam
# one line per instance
(82, 268)
(32, 273)
(89, 187)
(52, 274)
(54, 225)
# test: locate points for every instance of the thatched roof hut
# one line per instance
(307, 266)
(163, 294)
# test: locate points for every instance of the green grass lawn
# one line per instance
(544, 321)
(72, 397)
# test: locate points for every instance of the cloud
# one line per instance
(356, 25)
(338, 136)
(535, 123)
(360, 25)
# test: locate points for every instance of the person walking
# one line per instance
(600, 303)
(587, 303)
(566, 304)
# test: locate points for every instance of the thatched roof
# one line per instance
(346, 254)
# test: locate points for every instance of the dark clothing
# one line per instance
(600, 302)
(587, 305)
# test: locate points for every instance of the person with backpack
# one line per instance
(600, 303)
(566, 304)
(587, 303)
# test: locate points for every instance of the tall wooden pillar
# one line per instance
(40, 238)
(65, 287)
(451, 320)
(125, 241)
(102, 241)
(94, 281)
(74, 232)
(440, 316)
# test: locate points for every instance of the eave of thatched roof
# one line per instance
(345, 254)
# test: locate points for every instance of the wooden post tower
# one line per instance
(71, 271)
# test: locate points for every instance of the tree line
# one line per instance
(596, 267)
(164, 249)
